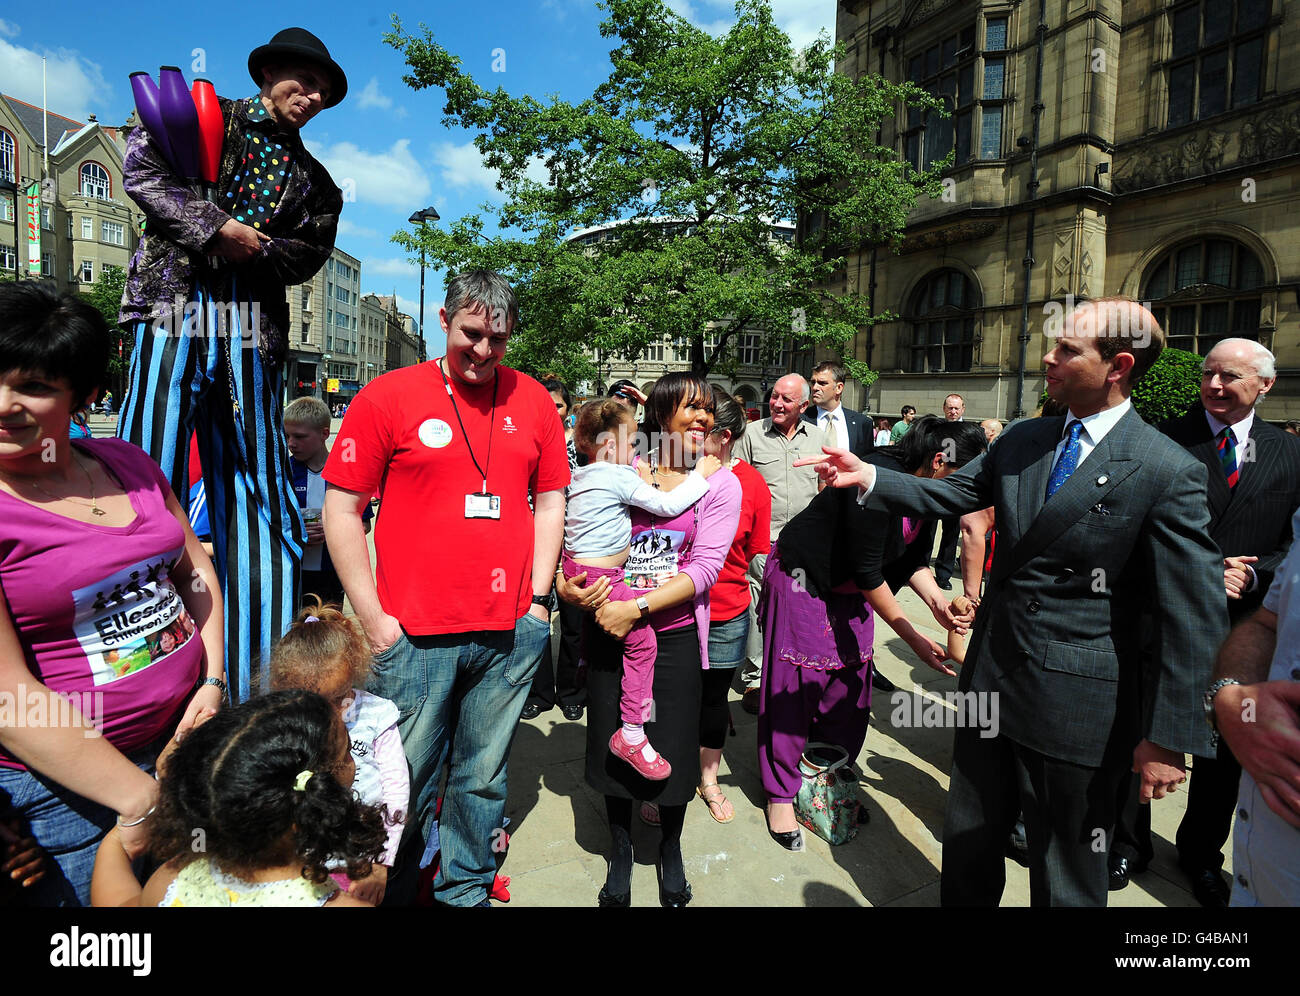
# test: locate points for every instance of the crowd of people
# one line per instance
(693, 551)
(214, 730)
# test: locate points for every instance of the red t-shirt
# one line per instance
(729, 596)
(437, 571)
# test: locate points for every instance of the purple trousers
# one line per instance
(816, 676)
(640, 646)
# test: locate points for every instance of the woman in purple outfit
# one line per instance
(681, 557)
(80, 523)
(836, 566)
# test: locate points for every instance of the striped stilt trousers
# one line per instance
(208, 376)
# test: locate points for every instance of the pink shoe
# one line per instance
(656, 770)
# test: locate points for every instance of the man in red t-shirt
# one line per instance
(461, 613)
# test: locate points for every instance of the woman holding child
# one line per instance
(682, 557)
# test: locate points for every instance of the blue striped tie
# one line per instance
(1069, 460)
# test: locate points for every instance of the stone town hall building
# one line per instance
(1149, 148)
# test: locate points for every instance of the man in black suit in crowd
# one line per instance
(945, 561)
(1102, 525)
(843, 426)
(1254, 489)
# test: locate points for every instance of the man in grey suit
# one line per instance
(1101, 519)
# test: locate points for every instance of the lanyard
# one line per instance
(492, 418)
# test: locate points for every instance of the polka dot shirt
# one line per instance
(260, 177)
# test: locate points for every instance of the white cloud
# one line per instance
(374, 267)
(391, 177)
(802, 20)
(370, 96)
(463, 167)
(76, 86)
(356, 231)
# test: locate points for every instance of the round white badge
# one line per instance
(435, 433)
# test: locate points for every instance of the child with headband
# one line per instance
(325, 652)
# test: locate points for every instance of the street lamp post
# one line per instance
(420, 218)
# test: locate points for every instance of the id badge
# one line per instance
(482, 506)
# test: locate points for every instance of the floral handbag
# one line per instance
(827, 803)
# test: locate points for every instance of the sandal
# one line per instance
(717, 799)
(650, 814)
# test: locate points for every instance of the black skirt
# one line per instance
(674, 729)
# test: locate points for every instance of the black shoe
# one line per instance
(531, 711)
(944, 583)
(1121, 869)
(672, 898)
(572, 712)
(880, 682)
(791, 840)
(1208, 887)
(607, 900)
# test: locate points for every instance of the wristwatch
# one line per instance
(1208, 700)
(644, 606)
(221, 685)
(546, 601)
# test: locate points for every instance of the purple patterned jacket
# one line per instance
(181, 225)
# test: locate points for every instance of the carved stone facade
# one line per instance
(1118, 191)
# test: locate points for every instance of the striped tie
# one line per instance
(1068, 461)
(1228, 455)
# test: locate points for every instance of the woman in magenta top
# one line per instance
(674, 562)
(110, 614)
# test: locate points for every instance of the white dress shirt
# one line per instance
(841, 424)
(1095, 427)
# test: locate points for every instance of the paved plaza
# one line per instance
(559, 837)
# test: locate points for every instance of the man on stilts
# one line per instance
(205, 294)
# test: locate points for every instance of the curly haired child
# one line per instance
(254, 805)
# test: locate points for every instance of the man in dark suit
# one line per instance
(1254, 489)
(1101, 522)
(843, 426)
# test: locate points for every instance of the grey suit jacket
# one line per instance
(1059, 635)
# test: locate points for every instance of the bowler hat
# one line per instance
(299, 45)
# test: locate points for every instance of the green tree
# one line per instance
(692, 146)
(105, 294)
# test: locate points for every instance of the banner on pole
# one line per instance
(33, 192)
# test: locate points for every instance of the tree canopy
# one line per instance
(691, 150)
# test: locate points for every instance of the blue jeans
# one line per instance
(68, 827)
(460, 695)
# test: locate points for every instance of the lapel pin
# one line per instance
(1102, 479)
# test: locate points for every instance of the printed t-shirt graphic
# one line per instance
(653, 558)
(131, 619)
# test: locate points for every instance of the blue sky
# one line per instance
(387, 139)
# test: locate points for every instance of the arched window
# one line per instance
(8, 157)
(1204, 291)
(95, 182)
(942, 315)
